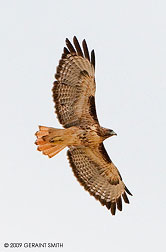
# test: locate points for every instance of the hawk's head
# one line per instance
(110, 133)
(105, 133)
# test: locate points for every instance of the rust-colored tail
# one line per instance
(50, 141)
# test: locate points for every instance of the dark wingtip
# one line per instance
(85, 48)
(127, 190)
(108, 205)
(70, 46)
(93, 58)
(119, 203)
(78, 50)
(75, 39)
(125, 198)
(67, 40)
(102, 201)
(77, 46)
(66, 51)
(113, 208)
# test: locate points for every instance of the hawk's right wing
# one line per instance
(74, 90)
(96, 172)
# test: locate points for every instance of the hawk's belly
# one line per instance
(83, 137)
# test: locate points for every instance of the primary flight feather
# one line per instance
(74, 97)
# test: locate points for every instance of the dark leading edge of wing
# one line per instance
(78, 50)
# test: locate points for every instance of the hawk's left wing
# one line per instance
(96, 172)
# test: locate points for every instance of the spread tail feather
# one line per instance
(50, 141)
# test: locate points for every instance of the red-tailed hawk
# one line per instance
(74, 97)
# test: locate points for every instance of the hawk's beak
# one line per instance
(113, 133)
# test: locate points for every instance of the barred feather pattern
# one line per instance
(74, 85)
(100, 179)
(74, 97)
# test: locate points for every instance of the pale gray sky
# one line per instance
(41, 201)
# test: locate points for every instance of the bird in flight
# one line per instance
(74, 97)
